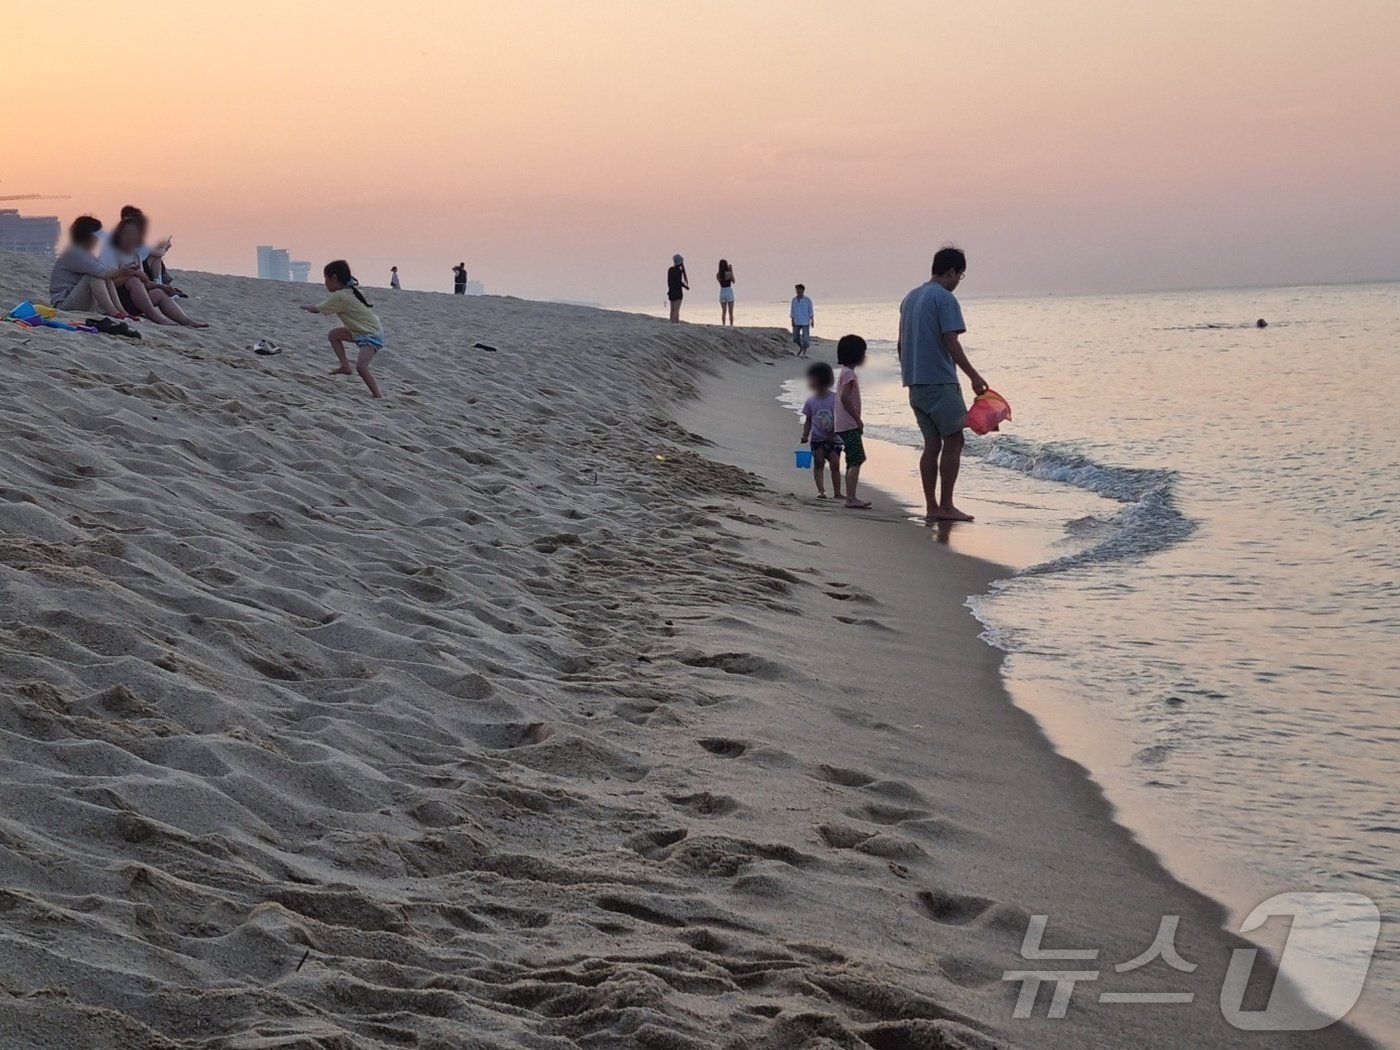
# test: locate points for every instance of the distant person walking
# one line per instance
(803, 315)
(459, 279)
(930, 354)
(725, 276)
(394, 278)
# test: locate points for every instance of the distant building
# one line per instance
(36, 235)
(274, 264)
(475, 288)
(301, 270)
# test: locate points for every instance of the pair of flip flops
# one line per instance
(265, 348)
(108, 326)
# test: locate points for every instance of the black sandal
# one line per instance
(107, 326)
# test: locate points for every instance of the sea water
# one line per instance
(1210, 621)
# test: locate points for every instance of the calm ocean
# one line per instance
(1205, 519)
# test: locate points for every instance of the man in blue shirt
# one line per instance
(803, 315)
(930, 354)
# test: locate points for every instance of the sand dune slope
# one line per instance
(329, 723)
(502, 713)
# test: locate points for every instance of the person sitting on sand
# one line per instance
(725, 276)
(803, 315)
(677, 284)
(850, 353)
(139, 293)
(819, 428)
(359, 324)
(152, 259)
(930, 354)
(79, 282)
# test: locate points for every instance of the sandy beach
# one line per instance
(536, 706)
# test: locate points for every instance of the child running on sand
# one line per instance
(850, 353)
(359, 323)
(819, 428)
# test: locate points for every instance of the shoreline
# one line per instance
(1092, 803)
(505, 712)
(1017, 538)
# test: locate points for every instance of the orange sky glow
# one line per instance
(566, 148)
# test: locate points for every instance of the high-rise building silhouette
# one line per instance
(34, 234)
(274, 264)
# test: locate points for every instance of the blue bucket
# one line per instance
(803, 457)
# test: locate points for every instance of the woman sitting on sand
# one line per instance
(80, 282)
(139, 293)
(725, 277)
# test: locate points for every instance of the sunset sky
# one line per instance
(566, 148)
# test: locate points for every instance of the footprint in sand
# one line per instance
(873, 843)
(865, 621)
(643, 712)
(723, 747)
(853, 778)
(504, 736)
(655, 845)
(951, 909)
(878, 814)
(738, 663)
(704, 804)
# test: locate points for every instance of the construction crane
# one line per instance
(34, 197)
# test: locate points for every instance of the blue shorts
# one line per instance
(370, 342)
(826, 447)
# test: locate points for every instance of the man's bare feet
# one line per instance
(343, 370)
(821, 494)
(198, 324)
(857, 504)
(952, 514)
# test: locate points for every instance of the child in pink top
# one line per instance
(850, 353)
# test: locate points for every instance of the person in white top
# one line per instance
(152, 259)
(394, 278)
(140, 293)
(803, 315)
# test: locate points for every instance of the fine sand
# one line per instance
(525, 708)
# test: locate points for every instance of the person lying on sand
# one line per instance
(79, 282)
(359, 324)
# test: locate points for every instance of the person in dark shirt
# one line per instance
(677, 284)
(459, 279)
